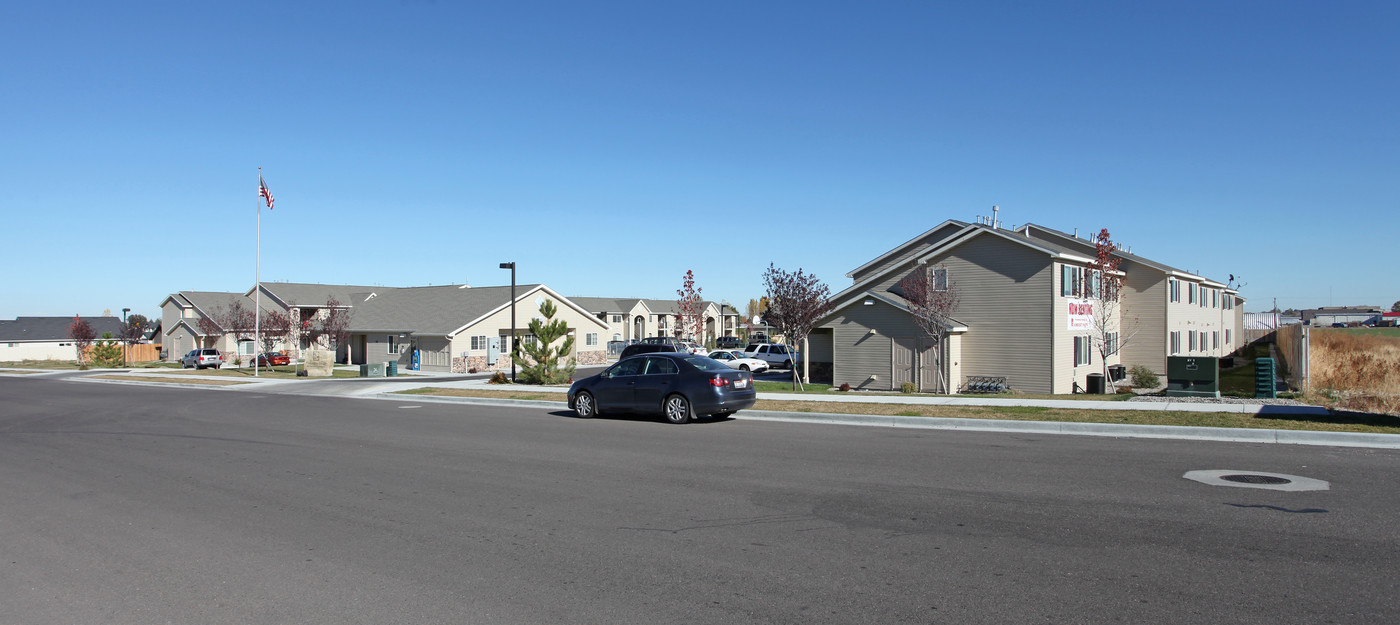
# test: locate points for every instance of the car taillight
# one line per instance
(719, 380)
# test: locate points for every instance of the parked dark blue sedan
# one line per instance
(679, 386)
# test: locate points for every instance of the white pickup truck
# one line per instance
(777, 356)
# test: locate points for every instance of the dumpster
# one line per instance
(391, 368)
(1193, 376)
(1094, 384)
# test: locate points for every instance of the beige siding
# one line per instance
(1144, 317)
(498, 325)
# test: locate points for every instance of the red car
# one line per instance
(273, 360)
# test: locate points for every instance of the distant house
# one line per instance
(636, 318)
(46, 338)
(1349, 315)
(1024, 294)
(452, 328)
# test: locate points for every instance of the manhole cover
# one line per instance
(1256, 479)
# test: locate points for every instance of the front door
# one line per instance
(903, 360)
(932, 370)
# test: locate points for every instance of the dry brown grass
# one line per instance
(1356, 371)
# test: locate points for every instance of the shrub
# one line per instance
(1143, 377)
(907, 387)
(107, 353)
(845, 388)
(498, 378)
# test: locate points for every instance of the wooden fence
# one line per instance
(1292, 344)
(142, 352)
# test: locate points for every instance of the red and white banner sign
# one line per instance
(1081, 314)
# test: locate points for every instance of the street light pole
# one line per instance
(513, 349)
(124, 335)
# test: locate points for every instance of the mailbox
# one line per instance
(1193, 376)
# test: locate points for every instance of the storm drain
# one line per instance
(1256, 479)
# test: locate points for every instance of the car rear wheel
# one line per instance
(677, 409)
(584, 406)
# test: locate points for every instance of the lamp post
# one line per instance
(513, 350)
(124, 335)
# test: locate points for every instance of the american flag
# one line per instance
(263, 192)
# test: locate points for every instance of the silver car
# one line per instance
(201, 358)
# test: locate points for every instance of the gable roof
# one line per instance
(23, 329)
(598, 305)
(302, 294)
(431, 310)
(967, 233)
(905, 247)
(1050, 234)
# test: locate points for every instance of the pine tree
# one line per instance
(541, 364)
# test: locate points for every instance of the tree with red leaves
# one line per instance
(1111, 332)
(796, 302)
(689, 309)
(335, 324)
(275, 327)
(83, 335)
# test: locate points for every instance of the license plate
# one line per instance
(741, 383)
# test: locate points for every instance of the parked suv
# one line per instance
(779, 356)
(201, 358)
(728, 342)
(663, 340)
(648, 348)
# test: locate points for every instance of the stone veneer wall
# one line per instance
(465, 365)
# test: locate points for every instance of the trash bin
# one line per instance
(1095, 384)
(1117, 373)
(391, 368)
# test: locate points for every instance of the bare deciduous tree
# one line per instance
(796, 301)
(932, 299)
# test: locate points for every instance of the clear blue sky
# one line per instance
(609, 147)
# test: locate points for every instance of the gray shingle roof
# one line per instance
(303, 294)
(433, 309)
(597, 305)
(53, 328)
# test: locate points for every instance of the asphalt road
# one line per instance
(125, 504)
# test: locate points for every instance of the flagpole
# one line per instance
(257, 281)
